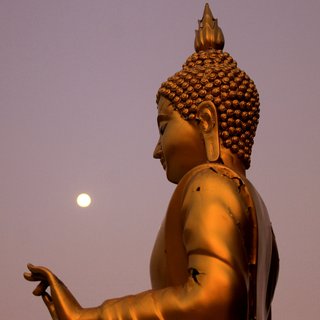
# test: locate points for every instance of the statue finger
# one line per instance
(41, 288)
(48, 302)
(33, 277)
(28, 276)
(38, 270)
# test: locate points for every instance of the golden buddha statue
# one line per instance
(215, 256)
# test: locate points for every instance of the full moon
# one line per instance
(83, 200)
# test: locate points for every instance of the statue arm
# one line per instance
(217, 282)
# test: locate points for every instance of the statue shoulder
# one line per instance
(214, 179)
(214, 183)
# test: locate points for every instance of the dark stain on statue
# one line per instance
(194, 273)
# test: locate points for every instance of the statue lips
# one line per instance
(163, 162)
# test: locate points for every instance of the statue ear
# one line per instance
(207, 114)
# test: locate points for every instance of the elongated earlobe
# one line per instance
(207, 114)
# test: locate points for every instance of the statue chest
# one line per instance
(169, 262)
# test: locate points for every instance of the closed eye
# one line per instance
(162, 128)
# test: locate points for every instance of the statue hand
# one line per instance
(45, 276)
(60, 302)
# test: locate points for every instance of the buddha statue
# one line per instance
(215, 256)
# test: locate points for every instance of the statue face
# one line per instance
(180, 147)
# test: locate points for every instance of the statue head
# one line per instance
(213, 95)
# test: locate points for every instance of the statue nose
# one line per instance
(157, 151)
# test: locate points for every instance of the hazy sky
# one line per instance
(78, 81)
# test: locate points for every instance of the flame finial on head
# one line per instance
(209, 35)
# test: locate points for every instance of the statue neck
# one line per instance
(232, 161)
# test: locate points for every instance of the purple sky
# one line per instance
(78, 83)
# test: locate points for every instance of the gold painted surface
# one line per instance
(215, 256)
(209, 35)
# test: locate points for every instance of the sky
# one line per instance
(78, 114)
